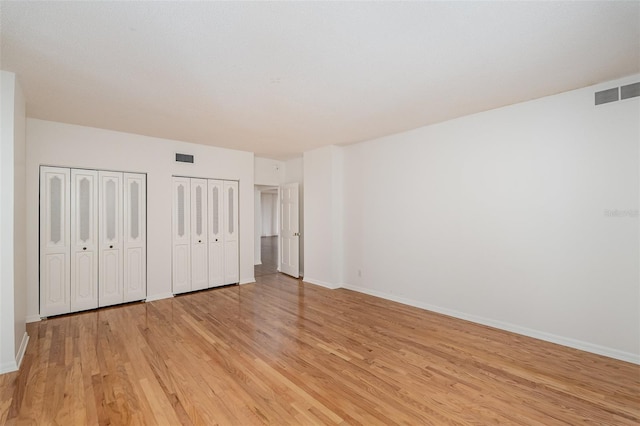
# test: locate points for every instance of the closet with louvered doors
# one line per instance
(205, 234)
(92, 239)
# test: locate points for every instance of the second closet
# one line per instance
(205, 234)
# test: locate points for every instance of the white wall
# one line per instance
(58, 144)
(20, 223)
(7, 332)
(294, 170)
(269, 206)
(268, 171)
(523, 217)
(13, 336)
(323, 216)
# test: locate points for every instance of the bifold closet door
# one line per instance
(216, 237)
(84, 239)
(110, 219)
(181, 229)
(231, 253)
(199, 258)
(135, 228)
(55, 244)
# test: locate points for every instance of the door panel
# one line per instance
(231, 264)
(290, 230)
(199, 258)
(84, 239)
(134, 274)
(135, 239)
(54, 284)
(111, 247)
(55, 241)
(231, 253)
(181, 228)
(216, 237)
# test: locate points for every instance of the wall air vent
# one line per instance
(618, 93)
(606, 96)
(630, 91)
(184, 158)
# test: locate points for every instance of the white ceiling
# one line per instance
(282, 78)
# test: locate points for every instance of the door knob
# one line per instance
(84, 248)
(199, 241)
(110, 246)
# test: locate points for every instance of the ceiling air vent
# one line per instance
(606, 96)
(184, 158)
(630, 91)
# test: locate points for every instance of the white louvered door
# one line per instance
(84, 239)
(199, 258)
(110, 219)
(216, 237)
(55, 246)
(231, 253)
(134, 238)
(181, 271)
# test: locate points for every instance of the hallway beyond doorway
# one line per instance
(269, 248)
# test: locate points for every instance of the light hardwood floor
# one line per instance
(284, 352)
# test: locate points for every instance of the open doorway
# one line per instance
(266, 230)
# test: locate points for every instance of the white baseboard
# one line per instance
(248, 281)
(553, 338)
(321, 283)
(33, 318)
(23, 349)
(159, 297)
(256, 264)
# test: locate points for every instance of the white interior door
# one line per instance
(216, 237)
(135, 240)
(111, 287)
(290, 230)
(55, 247)
(181, 228)
(84, 239)
(199, 258)
(231, 252)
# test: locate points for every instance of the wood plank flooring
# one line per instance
(284, 352)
